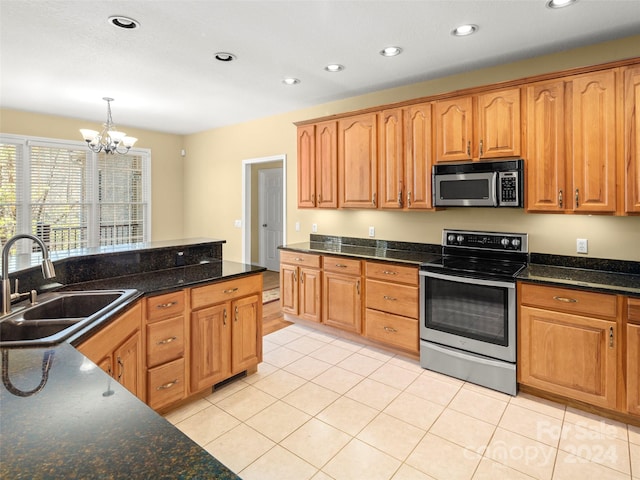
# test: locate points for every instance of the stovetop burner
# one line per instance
(481, 254)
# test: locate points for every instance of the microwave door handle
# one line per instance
(494, 187)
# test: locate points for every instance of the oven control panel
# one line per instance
(511, 242)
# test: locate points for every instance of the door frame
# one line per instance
(246, 201)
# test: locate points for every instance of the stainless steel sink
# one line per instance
(57, 316)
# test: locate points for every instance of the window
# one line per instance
(71, 197)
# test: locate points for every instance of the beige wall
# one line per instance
(213, 175)
(166, 162)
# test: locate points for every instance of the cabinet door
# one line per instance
(633, 369)
(209, 349)
(499, 124)
(246, 336)
(546, 154)
(327, 165)
(594, 142)
(418, 156)
(341, 301)
(357, 161)
(309, 289)
(289, 288)
(454, 129)
(307, 166)
(391, 161)
(127, 364)
(569, 355)
(632, 139)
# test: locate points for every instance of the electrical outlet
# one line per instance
(372, 232)
(237, 224)
(581, 245)
(297, 226)
(314, 228)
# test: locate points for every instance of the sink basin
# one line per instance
(57, 316)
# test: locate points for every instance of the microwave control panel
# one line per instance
(508, 189)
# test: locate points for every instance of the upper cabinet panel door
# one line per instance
(632, 139)
(391, 160)
(307, 166)
(546, 154)
(326, 165)
(594, 142)
(418, 155)
(454, 129)
(499, 124)
(357, 161)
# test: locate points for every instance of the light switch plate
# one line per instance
(297, 226)
(581, 245)
(314, 228)
(237, 224)
(372, 232)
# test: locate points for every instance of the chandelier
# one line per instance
(109, 140)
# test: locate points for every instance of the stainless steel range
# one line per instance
(468, 307)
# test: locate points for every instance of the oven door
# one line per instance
(465, 189)
(471, 314)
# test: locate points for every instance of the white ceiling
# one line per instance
(61, 57)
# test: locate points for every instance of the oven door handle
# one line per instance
(473, 281)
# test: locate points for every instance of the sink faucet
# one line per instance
(47, 267)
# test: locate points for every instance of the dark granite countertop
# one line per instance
(83, 424)
(585, 279)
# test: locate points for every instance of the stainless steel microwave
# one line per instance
(479, 184)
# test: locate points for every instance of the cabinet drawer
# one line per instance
(392, 273)
(223, 291)
(304, 259)
(569, 300)
(347, 266)
(166, 384)
(165, 341)
(165, 306)
(633, 310)
(393, 298)
(392, 329)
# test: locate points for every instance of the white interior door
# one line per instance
(270, 217)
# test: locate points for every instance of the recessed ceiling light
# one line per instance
(123, 22)
(290, 81)
(464, 30)
(334, 67)
(560, 3)
(225, 57)
(390, 51)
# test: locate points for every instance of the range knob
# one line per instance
(515, 242)
(460, 238)
(505, 242)
(451, 238)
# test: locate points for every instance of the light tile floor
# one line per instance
(321, 407)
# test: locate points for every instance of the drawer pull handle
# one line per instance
(390, 329)
(167, 385)
(121, 369)
(236, 314)
(387, 297)
(224, 317)
(166, 305)
(389, 272)
(167, 340)
(298, 259)
(565, 299)
(231, 290)
(610, 337)
(341, 265)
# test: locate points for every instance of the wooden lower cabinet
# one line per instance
(300, 285)
(569, 342)
(633, 369)
(342, 293)
(226, 336)
(118, 350)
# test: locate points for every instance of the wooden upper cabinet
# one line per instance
(546, 151)
(307, 166)
(418, 156)
(478, 126)
(326, 164)
(498, 126)
(357, 161)
(594, 142)
(391, 159)
(454, 129)
(632, 139)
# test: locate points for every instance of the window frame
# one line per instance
(23, 188)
